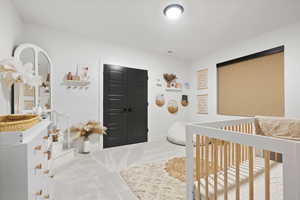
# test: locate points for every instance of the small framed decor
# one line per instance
(202, 104)
(202, 79)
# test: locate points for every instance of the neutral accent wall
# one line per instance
(10, 27)
(287, 36)
(67, 50)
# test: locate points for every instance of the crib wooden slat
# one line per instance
(237, 170)
(245, 147)
(212, 152)
(267, 174)
(242, 153)
(233, 151)
(251, 172)
(233, 154)
(229, 154)
(198, 164)
(221, 154)
(202, 147)
(254, 150)
(225, 171)
(206, 167)
(215, 169)
(229, 148)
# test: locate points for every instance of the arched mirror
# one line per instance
(27, 99)
(44, 66)
(28, 93)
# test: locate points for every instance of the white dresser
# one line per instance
(24, 164)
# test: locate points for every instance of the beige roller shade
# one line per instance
(252, 87)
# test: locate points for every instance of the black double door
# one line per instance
(125, 105)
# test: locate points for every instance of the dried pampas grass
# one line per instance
(87, 129)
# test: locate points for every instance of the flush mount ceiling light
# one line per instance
(173, 11)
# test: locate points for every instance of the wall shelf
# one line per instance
(75, 84)
(174, 89)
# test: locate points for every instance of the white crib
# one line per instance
(224, 145)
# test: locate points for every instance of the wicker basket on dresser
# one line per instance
(24, 171)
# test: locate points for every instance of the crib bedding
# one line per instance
(278, 127)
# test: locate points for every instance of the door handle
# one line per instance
(125, 109)
(129, 109)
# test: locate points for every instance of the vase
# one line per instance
(86, 146)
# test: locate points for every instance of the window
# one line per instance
(252, 85)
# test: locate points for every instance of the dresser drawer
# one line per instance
(36, 150)
(38, 183)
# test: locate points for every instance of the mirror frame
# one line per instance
(17, 52)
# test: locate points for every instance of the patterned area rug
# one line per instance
(176, 168)
(152, 182)
(158, 181)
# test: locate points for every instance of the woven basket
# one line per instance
(12, 123)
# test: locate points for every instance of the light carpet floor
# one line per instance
(152, 182)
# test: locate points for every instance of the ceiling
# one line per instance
(205, 26)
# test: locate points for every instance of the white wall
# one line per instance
(288, 36)
(10, 26)
(68, 50)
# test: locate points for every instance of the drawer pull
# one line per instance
(39, 166)
(49, 154)
(46, 171)
(46, 137)
(47, 196)
(39, 193)
(38, 148)
(53, 131)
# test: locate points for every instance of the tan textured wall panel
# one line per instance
(252, 87)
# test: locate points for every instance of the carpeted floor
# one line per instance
(154, 182)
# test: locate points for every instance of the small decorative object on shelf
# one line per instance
(85, 130)
(79, 80)
(76, 77)
(170, 79)
(172, 84)
(69, 76)
(178, 85)
(84, 74)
